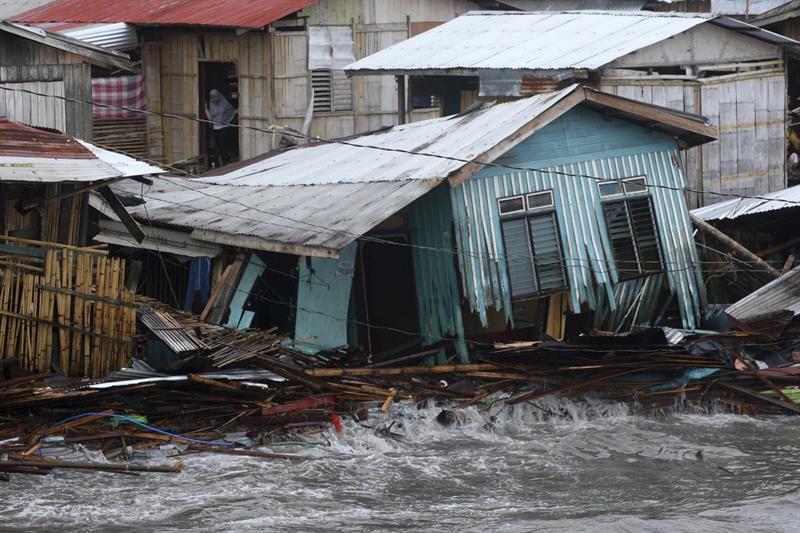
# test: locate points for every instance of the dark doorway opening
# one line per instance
(218, 147)
(386, 293)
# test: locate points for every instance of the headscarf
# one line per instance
(222, 112)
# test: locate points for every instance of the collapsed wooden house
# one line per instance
(728, 70)
(63, 305)
(279, 62)
(555, 213)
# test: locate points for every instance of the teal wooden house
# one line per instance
(556, 214)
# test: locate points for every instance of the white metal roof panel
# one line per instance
(739, 207)
(465, 136)
(529, 41)
(115, 36)
(126, 166)
(305, 220)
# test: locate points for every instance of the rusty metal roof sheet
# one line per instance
(251, 14)
(782, 294)
(539, 41)
(34, 155)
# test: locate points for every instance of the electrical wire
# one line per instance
(489, 256)
(300, 135)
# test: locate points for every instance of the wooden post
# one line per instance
(401, 99)
(708, 229)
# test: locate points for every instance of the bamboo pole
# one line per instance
(401, 371)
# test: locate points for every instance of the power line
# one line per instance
(517, 258)
(294, 133)
(489, 255)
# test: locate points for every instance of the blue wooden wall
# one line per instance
(435, 276)
(581, 143)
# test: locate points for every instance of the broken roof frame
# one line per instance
(296, 196)
(95, 55)
(610, 36)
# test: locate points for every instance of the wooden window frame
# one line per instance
(527, 213)
(626, 197)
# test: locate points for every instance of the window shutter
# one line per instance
(333, 91)
(619, 231)
(520, 269)
(321, 82)
(547, 252)
(644, 231)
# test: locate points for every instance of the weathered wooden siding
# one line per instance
(749, 110)
(700, 45)
(35, 67)
(274, 76)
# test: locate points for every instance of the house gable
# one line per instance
(580, 134)
(702, 44)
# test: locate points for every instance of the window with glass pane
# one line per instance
(533, 255)
(634, 240)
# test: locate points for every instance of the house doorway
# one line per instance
(386, 291)
(218, 147)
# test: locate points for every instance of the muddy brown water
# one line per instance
(559, 465)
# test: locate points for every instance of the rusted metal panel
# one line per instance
(30, 154)
(212, 13)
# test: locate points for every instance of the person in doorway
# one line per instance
(222, 113)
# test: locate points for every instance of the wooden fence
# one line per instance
(64, 308)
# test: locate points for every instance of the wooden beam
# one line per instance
(542, 120)
(710, 230)
(654, 113)
(401, 99)
(116, 205)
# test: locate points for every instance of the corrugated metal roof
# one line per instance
(464, 136)
(575, 5)
(30, 154)
(739, 207)
(305, 220)
(221, 13)
(535, 41)
(316, 199)
(115, 36)
(782, 294)
(9, 8)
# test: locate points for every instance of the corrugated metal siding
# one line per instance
(436, 281)
(778, 295)
(586, 245)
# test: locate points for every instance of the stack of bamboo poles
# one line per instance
(70, 311)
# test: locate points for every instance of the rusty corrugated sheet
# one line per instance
(33, 155)
(17, 140)
(215, 13)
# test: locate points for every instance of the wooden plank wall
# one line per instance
(273, 74)
(37, 111)
(72, 313)
(749, 110)
(32, 66)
